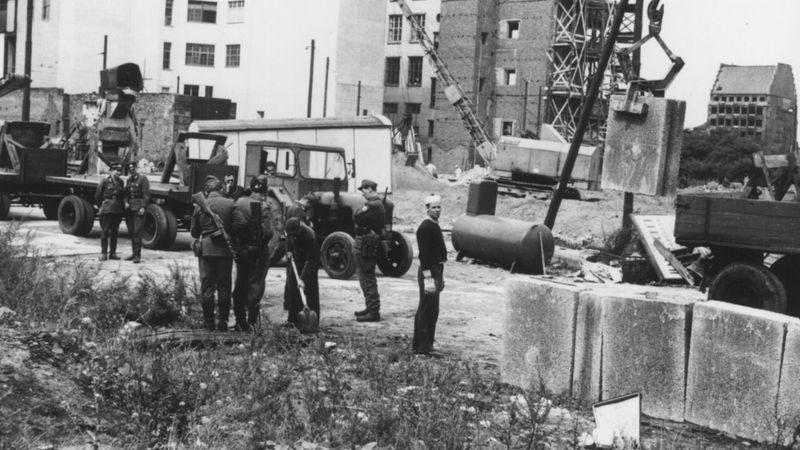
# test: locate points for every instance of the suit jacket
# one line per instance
(203, 225)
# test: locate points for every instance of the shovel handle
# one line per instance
(297, 278)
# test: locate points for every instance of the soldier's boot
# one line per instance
(113, 253)
(254, 317)
(103, 256)
(113, 256)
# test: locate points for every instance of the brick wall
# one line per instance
(47, 105)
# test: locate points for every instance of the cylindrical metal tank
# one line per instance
(512, 244)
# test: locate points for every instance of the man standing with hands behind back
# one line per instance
(137, 196)
(432, 256)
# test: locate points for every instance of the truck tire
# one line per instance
(87, 223)
(71, 215)
(338, 257)
(156, 227)
(277, 245)
(749, 284)
(50, 208)
(5, 205)
(787, 269)
(397, 262)
(172, 229)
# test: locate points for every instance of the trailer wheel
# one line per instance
(749, 284)
(88, 218)
(156, 227)
(50, 208)
(5, 205)
(71, 215)
(397, 262)
(172, 229)
(338, 257)
(787, 269)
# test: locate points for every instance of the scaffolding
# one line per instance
(580, 27)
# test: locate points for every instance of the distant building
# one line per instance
(759, 101)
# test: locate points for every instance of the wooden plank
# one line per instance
(650, 228)
(673, 261)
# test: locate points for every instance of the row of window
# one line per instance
(746, 131)
(392, 75)
(736, 122)
(204, 11)
(737, 109)
(202, 55)
(738, 98)
(396, 28)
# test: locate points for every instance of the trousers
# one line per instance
(215, 278)
(368, 282)
(135, 224)
(248, 290)
(427, 313)
(109, 224)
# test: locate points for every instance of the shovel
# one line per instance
(307, 320)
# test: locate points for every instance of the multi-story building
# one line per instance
(759, 101)
(410, 78)
(254, 52)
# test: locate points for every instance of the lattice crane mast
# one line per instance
(453, 91)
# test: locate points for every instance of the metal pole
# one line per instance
(178, 88)
(539, 113)
(26, 93)
(358, 99)
(325, 95)
(310, 79)
(586, 111)
(525, 107)
(105, 50)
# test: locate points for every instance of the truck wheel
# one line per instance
(71, 215)
(87, 223)
(787, 269)
(5, 205)
(156, 227)
(172, 229)
(749, 284)
(338, 257)
(277, 245)
(397, 262)
(50, 208)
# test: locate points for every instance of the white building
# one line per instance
(254, 52)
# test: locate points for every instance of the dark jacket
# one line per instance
(202, 225)
(305, 250)
(247, 230)
(109, 195)
(371, 216)
(430, 241)
(137, 192)
(235, 192)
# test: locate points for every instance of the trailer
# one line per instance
(754, 244)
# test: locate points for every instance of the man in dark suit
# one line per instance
(137, 197)
(215, 258)
(109, 200)
(430, 276)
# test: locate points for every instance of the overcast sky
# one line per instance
(706, 33)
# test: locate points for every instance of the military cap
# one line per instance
(368, 184)
(116, 166)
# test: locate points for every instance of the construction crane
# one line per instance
(453, 91)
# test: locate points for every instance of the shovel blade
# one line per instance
(307, 321)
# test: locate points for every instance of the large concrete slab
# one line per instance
(645, 345)
(735, 369)
(588, 348)
(789, 390)
(539, 334)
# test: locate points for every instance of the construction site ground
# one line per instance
(470, 326)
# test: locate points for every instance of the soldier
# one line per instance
(137, 197)
(369, 226)
(430, 276)
(302, 248)
(233, 190)
(252, 231)
(108, 197)
(214, 255)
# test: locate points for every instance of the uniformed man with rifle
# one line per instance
(211, 228)
(369, 222)
(252, 231)
(109, 198)
(137, 197)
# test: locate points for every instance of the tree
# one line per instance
(719, 155)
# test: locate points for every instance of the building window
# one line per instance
(395, 28)
(45, 9)
(420, 18)
(511, 77)
(232, 55)
(199, 55)
(430, 128)
(168, 12)
(191, 89)
(165, 59)
(513, 29)
(508, 128)
(392, 77)
(433, 93)
(165, 89)
(236, 11)
(209, 91)
(415, 70)
(712, 122)
(202, 11)
(390, 111)
(713, 110)
(762, 99)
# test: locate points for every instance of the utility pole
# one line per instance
(178, 88)
(525, 107)
(105, 50)
(310, 80)
(26, 94)
(358, 99)
(325, 95)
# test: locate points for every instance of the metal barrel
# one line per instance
(512, 244)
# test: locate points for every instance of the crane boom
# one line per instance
(453, 91)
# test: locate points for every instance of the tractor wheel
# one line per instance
(338, 257)
(5, 205)
(397, 262)
(787, 269)
(88, 219)
(749, 284)
(50, 208)
(156, 227)
(277, 245)
(71, 215)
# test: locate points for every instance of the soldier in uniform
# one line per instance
(215, 259)
(302, 248)
(430, 276)
(108, 196)
(252, 231)
(233, 190)
(369, 226)
(137, 197)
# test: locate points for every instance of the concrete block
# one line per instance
(735, 369)
(588, 345)
(644, 348)
(539, 333)
(789, 389)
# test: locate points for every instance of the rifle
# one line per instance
(200, 199)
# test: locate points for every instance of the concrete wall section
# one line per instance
(588, 349)
(789, 391)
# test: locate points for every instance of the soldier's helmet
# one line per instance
(259, 184)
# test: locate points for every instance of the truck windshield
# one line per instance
(322, 165)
